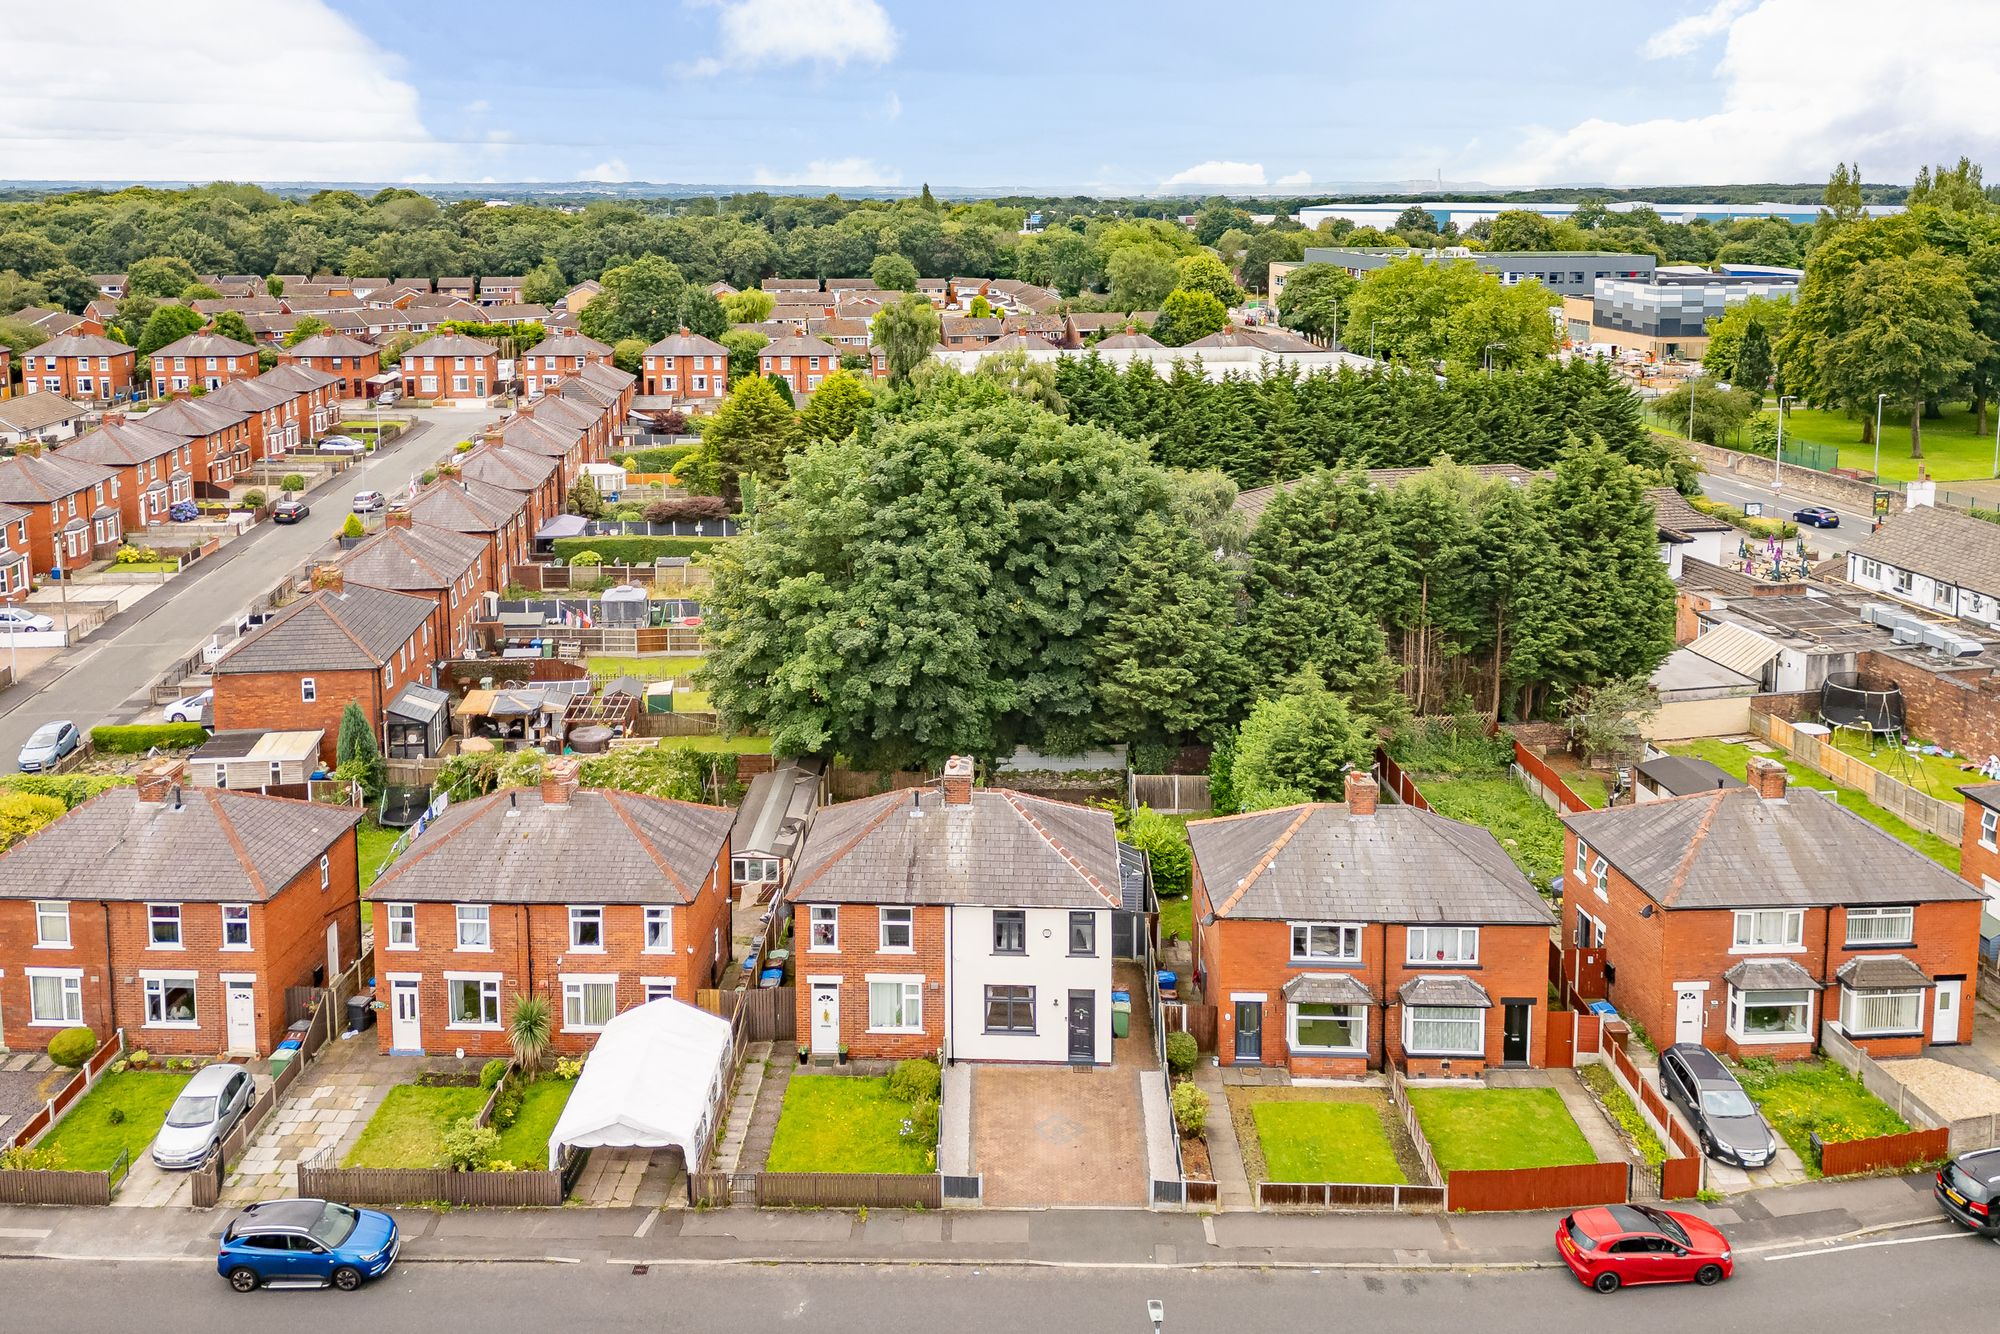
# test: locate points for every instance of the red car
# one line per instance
(1613, 1245)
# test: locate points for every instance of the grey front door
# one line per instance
(1249, 1032)
(1083, 1027)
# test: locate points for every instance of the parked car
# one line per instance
(1731, 1129)
(290, 510)
(189, 708)
(184, 511)
(208, 1108)
(1818, 516)
(306, 1244)
(15, 619)
(340, 444)
(388, 397)
(369, 502)
(1968, 1187)
(48, 745)
(1620, 1245)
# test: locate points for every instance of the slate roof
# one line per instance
(412, 559)
(124, 443)
(32, 412)
(685, 344)
(451, 345)
(81, 345)
(358, 628)
(1674, 517)
(1125, 340)
(602, 847)
(1444, 989)
(329, 345)
(515, 469)
(205, 345)
(194, 417)
(1318, 862)
(1770, 975)
(799, 345)
(1329, 989)
(1938, 542)
(1002, 849)
(217, 847)
(1681, 775)
(567, 344)
(1986, 794)
(459, 508)
(1733, 849)
(1882, 972)
(30, 479)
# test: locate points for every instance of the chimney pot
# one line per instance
(958, 781)
(1768, 777)
(559, 781)
(158, 779)
(1362, 793)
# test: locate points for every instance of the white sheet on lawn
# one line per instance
(649, 1083)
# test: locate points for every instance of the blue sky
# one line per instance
(1089, 95)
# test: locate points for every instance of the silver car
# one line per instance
(45, 749)
(209, 1107)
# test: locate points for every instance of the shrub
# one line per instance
(139, 1057)
(72, 1047)
(354, 527)
(72, 790)
(922, 1125)
(1165, 843)
(467, 1147)
(1182, 1052)
(39, 1158)
(116, 1116)
(292, 482)
(22, 813)
(253, 499)
(492, 1072)
(528, 1031)
(915, 1081)
(687, 509)
(138, 738)
(634, 550)
(429, 475)
(1190, 1109)
(568, 1067)
(586, 557)
(463, 447)
(507, 1109)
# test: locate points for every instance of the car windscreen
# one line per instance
(191, 1112)
(46, 735)
(1584, 1241)
(1669, 1228)
(1966, 1184)
(336, 1222)
(1726, 1102)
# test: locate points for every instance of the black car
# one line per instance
(1730, 1127)
(1969, 1189)
(289, 510)
(1818, 516)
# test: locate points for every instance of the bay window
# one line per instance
(1444, 1030)
(1872, 1013)
(1770, 1016)
(1318, 1027)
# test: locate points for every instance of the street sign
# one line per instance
(1752, 508)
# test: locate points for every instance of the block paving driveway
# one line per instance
(1051, 1135)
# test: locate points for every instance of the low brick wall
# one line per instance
(1958, 709)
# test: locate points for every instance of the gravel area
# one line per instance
(1950, 1091)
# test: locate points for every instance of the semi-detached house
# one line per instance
(557, 358)
(347, 360)
(686, 367)
(451, 368)
(73, 508)
(152, 467)
(454, 570)
(223, 439)
(207, 360)
(85, 367)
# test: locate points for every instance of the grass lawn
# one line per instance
(372, 848)
(1803, 1097)
(86, 1136)
(1325, 1140)
(1499, 1128)
(1933, 775)
(1589, 786)
(1734, 759)
(1953, 450)
(1177, 918)
(646, 668)
(1525, 826)
(144, 567)
(834, 1123)
(407, 1130)
(725, 745)
(526, 1142)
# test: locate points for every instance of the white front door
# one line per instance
(1944, 1013)
(406, 1032)
(332, 952)
(241, 1006)
(825, 1019)
(1687, 1014)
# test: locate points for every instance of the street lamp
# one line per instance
(1778, 455)
(1878, 439)
(1487, 351)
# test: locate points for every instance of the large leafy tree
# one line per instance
(168, 324)
(837, 408)
(743, 345)
(161, 276)
(544, 285)
(751, 434)
(906, 332)
(893, 273)
(1500, 327)
(1298, 746)
(1205, 273)
(647, 299)
(1312, 300)
(1906, 331)
(307, 326)
(1187, 315)
(1168, 663)
(231, 324)
(1141, 276)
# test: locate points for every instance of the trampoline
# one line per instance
(1845, 702)
(402, 806)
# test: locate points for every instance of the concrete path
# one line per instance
(736, 1130)
(955, 1121)
(762, 1128)
(1225, 1155)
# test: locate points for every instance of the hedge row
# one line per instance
(70, 789)
(141, 737)
(634, 550)
(658, 460)
(1733, 514)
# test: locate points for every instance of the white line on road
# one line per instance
(652, 1217)
(1866, 1245)
(24, 1233)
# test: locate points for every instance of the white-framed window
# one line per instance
(55, 996)
(1444, 1030)
(325, 871)
(588, 1002)
(1881, 926)
(1582, 860)
(896, 1004)
(754, 870)
(308, 690)
(170, 1001)
(1441, 944)
(898, 930)
(1989, 830)
(659, 930)
(52, 925)
(1872, 1013)
(472, 1000)
(824, 937)
(1326, 942)
(402, 919)
(236, 926)
(475, 926)
(163, 926)
(1770, 1016)
(657, 988)
(1770, 929)
(586, 928)
(1597, 869)
(1319, 1027)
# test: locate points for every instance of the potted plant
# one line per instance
(843, 1053)
(805, 1054)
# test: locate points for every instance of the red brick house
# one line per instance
(224, 438)
(299, 670)
(153, 467)
(1335, 939)
(686, 367)
(89, 368)
(549, 434)
(493, 514)
(1979, 845)
(604, 394)
(596, 900)
(348, 360)
(557, 358)
(179, 914)
(451, 368)
(1743, 918)
(535, 477)
(454, 570)
(73, 508)
(208, 360)
(800, 360)
(16, 574)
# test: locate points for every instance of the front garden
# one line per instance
(1300, 1134)
(433, 1122)
(1815, 1097)
(409, 1128)
(121, 1113)
(1489, 1128)
(859, 1123)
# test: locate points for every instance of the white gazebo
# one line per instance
(655, 1080)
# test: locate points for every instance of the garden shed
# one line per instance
(655, 1080)
(417, 722)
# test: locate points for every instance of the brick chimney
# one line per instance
(559, 781)
(329, 578)
(1767, 776)
(396, 518)
(112, 419)
(1362, 792)
(958, 781)
(159, 778)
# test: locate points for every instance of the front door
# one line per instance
(1249, 1032)
(1944, 1013)
(1514, 1032)
(1083, 1027)
(332, 952)
(241, 1007)
(406, 1030)
(1687, 1014)
(825, 1019)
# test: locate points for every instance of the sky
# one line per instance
(1089, 96)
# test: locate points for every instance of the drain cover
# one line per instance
(639, 1271)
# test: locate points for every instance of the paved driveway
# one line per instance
(27, 1080)
(1048, 1135)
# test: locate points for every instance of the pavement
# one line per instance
(1854, 523)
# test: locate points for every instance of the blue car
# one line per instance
(306, 1244)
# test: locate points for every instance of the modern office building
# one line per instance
(1667, 315)
(1565, 272)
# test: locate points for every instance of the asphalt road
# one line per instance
(1926, 1278)
(106, 671)
(1854, 523)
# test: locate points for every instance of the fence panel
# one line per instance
(771, 1015)
(708, 1190)
(1680, 1178)
(1203, 1021)
(1551, 784)
(1911, 1149)
(420, 1185)
(1344, 1195)
(1399, 1096)
(1561, 1042)
(1538, 1188)
(873, 1190)
(37, 1186)
(1172, 794)
(1399, 783)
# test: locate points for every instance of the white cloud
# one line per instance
(893, 107)
(849, 171)
(478, 107)
(610, 171)
(1215, 172)
(761, 33)
(1295, 178)
(167, 100)
(1678, 39)
(1912, 90)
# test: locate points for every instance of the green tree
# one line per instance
(1186, 316)
(647, 298)
(743, 345)
(230, 324)
(1501, 327)
(69, 288)
(194, 292)
(1719, 413)
(1217, 217)
(1266, 248)
(629, 354)
(1298, 746)
(749, 435)
(837, 409)
(1906, 332)
(782, 387)
(906, 332)
(169, 324)
(1754, 362)
(1313, 298)
(274, 285)
(1141, 276)
(1168, 664)
(1842, 202)
(544, 285)
(981, 308)
(893, 273)
(751, 307)
(1205, 273)
(1521, 229)
(1958, 189)
(18, 337)
(584, 498)
(1404, 309)
(307, 327)
(359, 757)
(1726, 333)
(134, 311)
(162, 277)
(1416, 219)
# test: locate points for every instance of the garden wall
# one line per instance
(1843, 491)
(1966, 1133)
(1956, 708)
(1946, 819)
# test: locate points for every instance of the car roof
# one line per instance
(280, 1214)
(1629, 1219)
(1702, 1063)
(1982, 1164)
(210, 1079)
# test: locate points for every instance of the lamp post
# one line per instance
(1691, 410)
(1778, 455)
(1878, 438)
(1487, 352)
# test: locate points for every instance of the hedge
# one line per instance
(141, 737)
(657, 460)
(71, 790)
(634, 550)
(1757, 526)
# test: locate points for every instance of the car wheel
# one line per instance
(1605, 1282)
(243, 1279)
(347, 1278)
(1708, 1275)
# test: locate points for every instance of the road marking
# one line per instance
(24, 1233)
(652, 1217)
(1865, 1245)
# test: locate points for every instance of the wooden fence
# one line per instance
(1546, 783)
(42, 1186)
(107, 1051)
(208, 1179)
(1944, 818)
(1170, 794)
(559, 578)
(1967, 1133)
(872, 1190)
(1900, 1153)
(771, 1012)
(1204, 1021)
(1684, 1171)
(1345, 1195)
(1398, 783)
(319, 1179)
(1506, 1190)
(1399, 1098)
